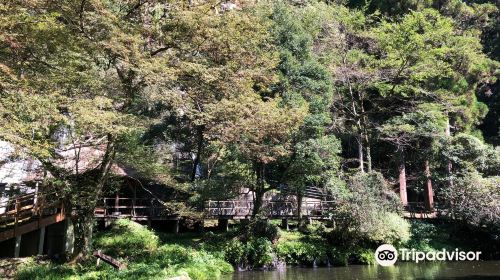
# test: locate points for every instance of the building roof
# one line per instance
(16, 167)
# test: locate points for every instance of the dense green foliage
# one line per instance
(358, 99)
(142, 251)
(207, 256)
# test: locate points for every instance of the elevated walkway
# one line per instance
(242, 209)
(26, 213)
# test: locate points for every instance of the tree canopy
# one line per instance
(362, 99)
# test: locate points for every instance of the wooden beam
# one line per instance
(110, 260)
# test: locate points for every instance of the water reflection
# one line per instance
(487, 270)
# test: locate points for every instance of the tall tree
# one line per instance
(262, 131)
(213, 57)
(430, 62)
(70, 83)
(304, 79)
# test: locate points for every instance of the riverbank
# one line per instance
(146, 254)
(209, 255)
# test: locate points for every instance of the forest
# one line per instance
(377, 104)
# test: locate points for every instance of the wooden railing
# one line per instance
(23, 208)
(29, 212)
(283, 209)
(274, 209)
(135, 208)
(418, 210)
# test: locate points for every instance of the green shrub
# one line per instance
(256, 252)
(318, 229)
(198, 264)
(263, 228)
(339, 256)
(260, 252)
(367, 214)
(301, 252)
(169, 255)
(236, 252)
(390, 228)
(145, 259)
(127, 239)
(428, 237)
(365, 256)
(422, 234)
(32, 271)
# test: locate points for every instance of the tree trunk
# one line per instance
(258, 201)
(86, 192)
(365, 133)
(449, 169)
(199, 149)
(83, 223)
(259, 189)
(360, 153)
(429, 193)
(449, 166)
(402, 178)
(368, 156)
(299, 209)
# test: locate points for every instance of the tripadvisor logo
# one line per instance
(387, 255)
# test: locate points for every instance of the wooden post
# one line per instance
(117, 203)
(151, 208)
(16, 217)
(39, 206)
(17, 247)
(284, 224)
(105, 208)
(223, 224)
(69, 237)
(134, 201)
(202, 226)
(209, 212)
(176, 226)
(41, 240)
(35, 198)
(220, 211)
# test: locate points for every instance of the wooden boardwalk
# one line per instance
(26, 213)
(417, 210)
(136, 209)
(30, 212)
(242, 209)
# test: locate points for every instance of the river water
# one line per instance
(487, 270)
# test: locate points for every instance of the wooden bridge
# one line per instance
(418, 210)
(31, 212)
(242, 209)
(136, 209)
